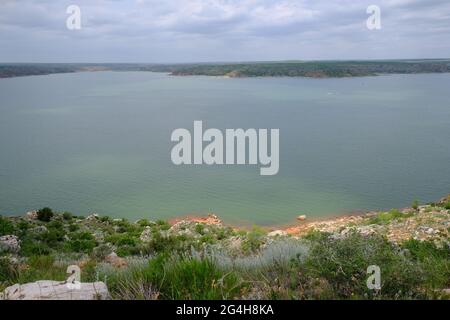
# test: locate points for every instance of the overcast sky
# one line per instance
(221, 30)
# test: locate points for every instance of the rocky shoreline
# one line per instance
(425, 222)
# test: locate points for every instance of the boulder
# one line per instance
(39, 229)
(93, 216)
(444, 200)
(55, 290)
(277, 233)
(9, 243)
(116, 261)
(301, 217)
(234, 244)
(146, 235)
(184, 227)
(31, 215)
(366, 231)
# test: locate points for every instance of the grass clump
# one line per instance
(383, 218)
(174, 277)
(8, 271)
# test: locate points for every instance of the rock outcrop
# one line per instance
(146, 235)
(31, 215)
(277, 233)
(54, 290)
(9, 243)
(116, 261)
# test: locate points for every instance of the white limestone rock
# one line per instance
(55, 290)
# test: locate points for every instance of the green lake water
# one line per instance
(100, 142)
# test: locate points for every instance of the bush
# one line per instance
(415, 204)
(82, 242)
(343, 264)
(7, 270)
(6, 227)
(433, 260)
(145, 223)
(73, 227)
(254, 239)
(100, 252)
(67, 216)
(45, 214)
(53, 237)
(42, 267)
(23, 225)
(163, 225)
(161, 243)
(124, 226)
(128, 250)
(30, 247)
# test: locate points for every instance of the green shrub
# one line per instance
(42, 267)
(105, 219)
(343, 264)
(415, 204)
(163, 225)
(30, 247)
(126, 241)
(447, 205)
(122, 239)
(67, 216)
(129, 250)
(100, 252)
(6, 227)
(433, 260)
(127, 245)
(422, 250)
(73, 227)
(253, 240)
(7, 270)
(386, 217)
(45, 214)
(82, 242)
(23, 225)
(124, 226)
(52, 237)
(160, 243)
(145, 223)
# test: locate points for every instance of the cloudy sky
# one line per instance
(221, 30)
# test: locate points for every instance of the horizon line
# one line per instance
(230, 61)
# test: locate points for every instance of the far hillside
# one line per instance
(314, 69)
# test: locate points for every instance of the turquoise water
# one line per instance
(100, 142)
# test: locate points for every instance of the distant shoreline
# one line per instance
(301, 69)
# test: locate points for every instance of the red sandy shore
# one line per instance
(298, 228)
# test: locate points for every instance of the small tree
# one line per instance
(415, 204)
(45, 214)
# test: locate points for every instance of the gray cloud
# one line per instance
(221, 30)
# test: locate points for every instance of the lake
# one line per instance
(100, 142)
